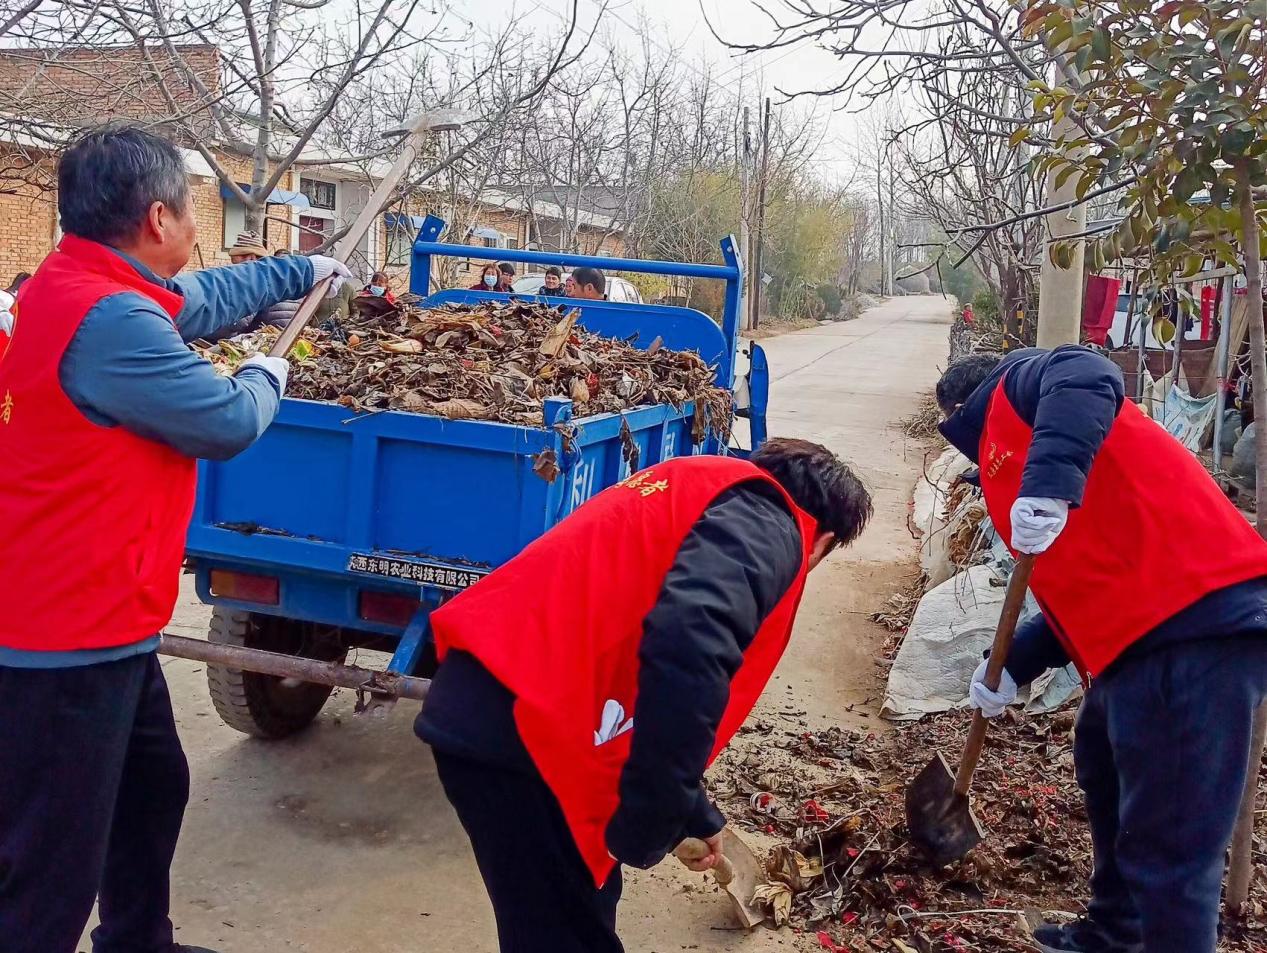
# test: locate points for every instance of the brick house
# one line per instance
(57, 91)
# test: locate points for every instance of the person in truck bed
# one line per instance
(585, 685)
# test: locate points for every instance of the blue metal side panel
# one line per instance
(403, 485)
(759, 394)
(320, 506)
(452, 490)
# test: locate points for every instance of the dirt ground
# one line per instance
(340, 839)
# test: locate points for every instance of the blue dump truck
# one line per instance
(339, 531)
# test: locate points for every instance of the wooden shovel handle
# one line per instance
(693, 849)
(346, 245)
(1012, 604)
(300, 319)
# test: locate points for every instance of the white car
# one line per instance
(618, 289)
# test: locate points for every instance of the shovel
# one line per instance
(738, 872)
(938, 815)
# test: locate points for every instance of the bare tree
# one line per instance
(964, 62)
(968, 170)
(260, 79)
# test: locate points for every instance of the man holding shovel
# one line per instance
(103, 412)
(585, 686)
(1152, 583)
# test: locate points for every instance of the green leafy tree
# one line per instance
(1173, 109)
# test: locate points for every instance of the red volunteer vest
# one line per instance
(560, 626)
(1129, 558)
(92, 518)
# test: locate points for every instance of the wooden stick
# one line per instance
(1240, 869)
(347, 244)
(1013, 602)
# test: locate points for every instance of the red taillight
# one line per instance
(387, 608)
(244, 587)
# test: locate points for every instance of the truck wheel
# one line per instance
(263, 705)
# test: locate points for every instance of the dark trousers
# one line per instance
(543, 896)
(93, 785)
(1161, 753)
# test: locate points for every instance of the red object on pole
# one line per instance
(1208, 296)
(1098, 307)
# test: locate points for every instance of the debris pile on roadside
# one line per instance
(842, 871)
(923, 423)
(968, 338)
(489, 361)
(899, 608)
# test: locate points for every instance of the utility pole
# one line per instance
(879, 204)
(745, 212)
(893, 256)
(1060, 289)
(757, 273)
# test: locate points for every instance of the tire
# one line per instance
(265, 706)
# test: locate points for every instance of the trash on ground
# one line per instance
(830, 805)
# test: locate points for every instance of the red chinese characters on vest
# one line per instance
(92, 518)
(561, 624)
(1129, 558)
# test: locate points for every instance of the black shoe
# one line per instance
(1080, 936)
(182, 948)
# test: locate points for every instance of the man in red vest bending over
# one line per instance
(1152, 583)
(103, 410)
(586, 685)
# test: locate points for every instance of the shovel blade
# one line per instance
(748, 875)
(940, 821)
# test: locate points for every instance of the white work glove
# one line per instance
(323, 267)
(1036, 522)
(278, 368)
(991, 703)
(6, 314)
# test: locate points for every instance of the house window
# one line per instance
(313, 232)
(319, 194)
(512, 243)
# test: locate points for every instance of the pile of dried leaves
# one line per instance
(489, 361)
(967, 526)
(842, 870)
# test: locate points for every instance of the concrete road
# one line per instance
(341, 840)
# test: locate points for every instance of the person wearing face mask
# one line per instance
(380, 286)
(488, 279)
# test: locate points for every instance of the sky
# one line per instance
(684, 27)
